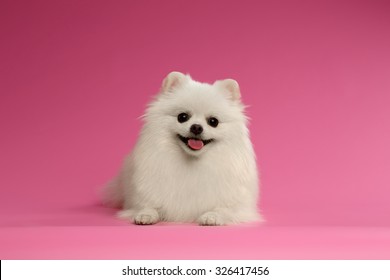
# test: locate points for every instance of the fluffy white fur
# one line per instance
(164, 180)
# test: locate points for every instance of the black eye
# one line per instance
(183, 117)
(212, 122)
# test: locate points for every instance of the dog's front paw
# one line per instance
(211, 219)
(146, 217)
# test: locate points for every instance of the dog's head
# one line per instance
(197, 116)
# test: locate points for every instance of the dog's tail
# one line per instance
(112, 193)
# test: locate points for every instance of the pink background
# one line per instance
(75, 75)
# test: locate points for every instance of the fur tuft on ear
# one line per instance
(231, 88)
(172, 80)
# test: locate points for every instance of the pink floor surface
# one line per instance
(76, 75)
(93, 233)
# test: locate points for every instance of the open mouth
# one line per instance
(194, 144)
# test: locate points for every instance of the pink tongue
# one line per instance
(195, 144)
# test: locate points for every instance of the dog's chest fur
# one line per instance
(183, 188)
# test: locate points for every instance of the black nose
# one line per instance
(196, 129)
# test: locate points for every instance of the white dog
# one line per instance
(193, 161)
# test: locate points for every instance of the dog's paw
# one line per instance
(211, 219)
(146, 217)
(127, 214)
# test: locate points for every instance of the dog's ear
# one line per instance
(173, 80)
(230, 87)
